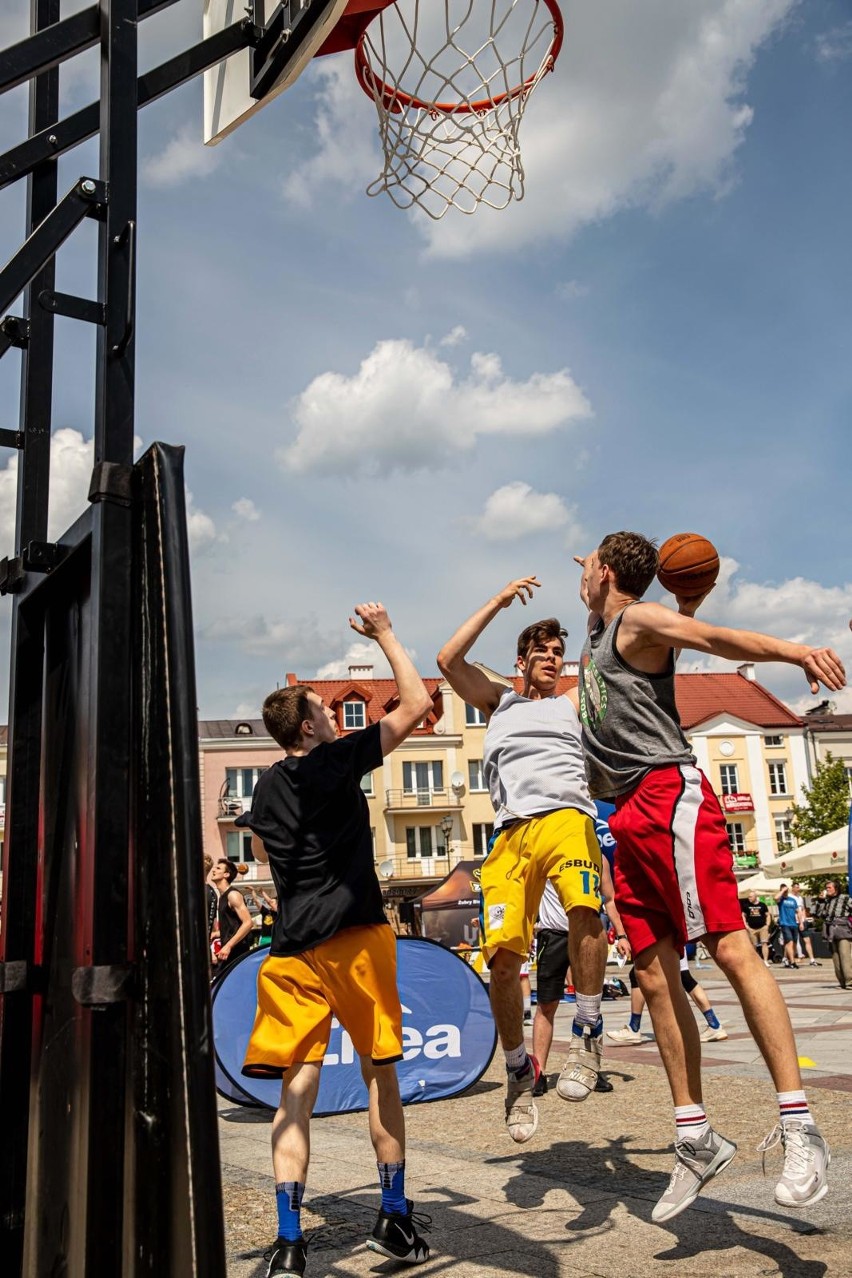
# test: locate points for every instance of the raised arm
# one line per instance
(652, 625)
(414, 700)
(463, 677)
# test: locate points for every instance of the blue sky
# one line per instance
(658, 336)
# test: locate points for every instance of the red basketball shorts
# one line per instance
(673, 868)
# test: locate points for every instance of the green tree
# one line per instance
(825, 807)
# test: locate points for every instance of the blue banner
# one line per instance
(605, 838)
(448, 1033)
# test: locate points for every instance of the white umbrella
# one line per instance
(760, 884)
(825, 855)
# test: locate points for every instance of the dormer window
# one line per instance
(354, 715)
(243, 730)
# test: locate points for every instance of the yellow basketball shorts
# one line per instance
(560, 846)
(351, 976)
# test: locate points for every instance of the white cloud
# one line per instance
(246, 509)
(799, 610)
(647, 104)
(516, 510)
(298, 643)
(407, 409)
(71, 460)
(346, 153)
(361, 653)
(834, 45)
(183, 157)
(455, 336)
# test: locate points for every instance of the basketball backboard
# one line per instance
(297, 30)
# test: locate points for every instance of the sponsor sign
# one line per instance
(448, 1033)
(605, 837)
(737, 803)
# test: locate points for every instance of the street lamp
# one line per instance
(446, 826)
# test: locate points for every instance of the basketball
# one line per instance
(689, 565)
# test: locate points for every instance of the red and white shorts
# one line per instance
(673, 868)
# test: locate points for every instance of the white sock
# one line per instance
(587, 1009)
(793, 1105)
(515, 1058)
(527, 1004)
(690, 1122)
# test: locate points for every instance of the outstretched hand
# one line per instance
(522, 589)
(373, 618)
(688, 605)
(822, 665)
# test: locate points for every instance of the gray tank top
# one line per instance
(534, 758)
(630, 720)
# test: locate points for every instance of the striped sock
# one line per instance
(690, 1122)
(517, 1060)
(587, 1011)
(288, 1195)
(392, 1181)
(793, 1105)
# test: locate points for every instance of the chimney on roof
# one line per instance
(747, 671)
(571, 668)
(360, 672)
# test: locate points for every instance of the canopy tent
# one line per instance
(759, 883)
(825, 855)
(450, 912)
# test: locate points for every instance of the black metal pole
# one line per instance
(20, 852)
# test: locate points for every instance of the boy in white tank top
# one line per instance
(544, 830)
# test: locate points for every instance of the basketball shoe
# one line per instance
(580, 1072)
(521, 1109)
(625, 1035)
(804, 1180)
(696, 1162)
(287, 1259)
(711, 1035)
(394, 1236)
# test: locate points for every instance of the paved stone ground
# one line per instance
(577, 1198)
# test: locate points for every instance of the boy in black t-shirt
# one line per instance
(756, 915)
(332, 951)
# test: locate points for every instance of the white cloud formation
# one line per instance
(647, 104)
(516, 510)
(70, 475)
(799, 610)
(455, 336)
(571, 290)
(183, 157)
(361, 653)
(347, 153)
(299, 642)
(407, 409)
(834, 45)
(245, 509)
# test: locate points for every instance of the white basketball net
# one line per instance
(450, 80)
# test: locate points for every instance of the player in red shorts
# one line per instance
(674, 879)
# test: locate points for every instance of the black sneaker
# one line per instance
(540, 1085)
(394, 1236)
(603, 1084)
(287, 1259)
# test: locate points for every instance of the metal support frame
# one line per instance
(109, 1156)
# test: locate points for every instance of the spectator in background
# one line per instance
(805, 942)
(211, 897)
(788, 921)
(835, 909)
(234, 919)
(756, 915)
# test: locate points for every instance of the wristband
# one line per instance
(622, 936)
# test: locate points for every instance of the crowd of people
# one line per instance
(547, 758)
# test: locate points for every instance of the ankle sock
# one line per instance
(517, 1060)
(392, 1181)
(711, 1018)
(635, 1021)
(793, 1105)
(587, 1011)
(690, 1122)
(288, 1196)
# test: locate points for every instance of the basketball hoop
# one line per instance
(450, 89)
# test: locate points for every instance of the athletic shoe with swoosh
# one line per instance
(804, 1180)
(395, 1236)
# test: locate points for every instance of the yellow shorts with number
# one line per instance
(560, 846)
(353, 977)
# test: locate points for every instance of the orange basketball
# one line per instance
(689, 565)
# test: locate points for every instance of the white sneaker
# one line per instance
(710, 1035)
(580, 1072)
(625, 1035)
(696, 1162)
(804, 1180)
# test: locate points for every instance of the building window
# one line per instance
(473, 717)
(728, 773)
(354, 715)
(367, 785)
(240, 782)
(423, 779)
(772, 742)
(424, 841)
(475, 775)
(736, 837)
(482, 832)
(783, 838)
(777, 778)
(238, 846)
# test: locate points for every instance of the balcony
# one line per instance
(424, 800)
(229, 808)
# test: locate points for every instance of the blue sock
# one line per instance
(392, 1181)
(595, 1030)
(288, 1195)
(635, 1021)
(711, 1018)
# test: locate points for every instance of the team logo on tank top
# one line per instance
(592, 693)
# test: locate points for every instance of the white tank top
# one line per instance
(534, 758)
(550, 912)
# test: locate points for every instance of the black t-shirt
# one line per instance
(755, 914)
(311, 814)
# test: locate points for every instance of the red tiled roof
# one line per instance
(705, 696)
(380, 696)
